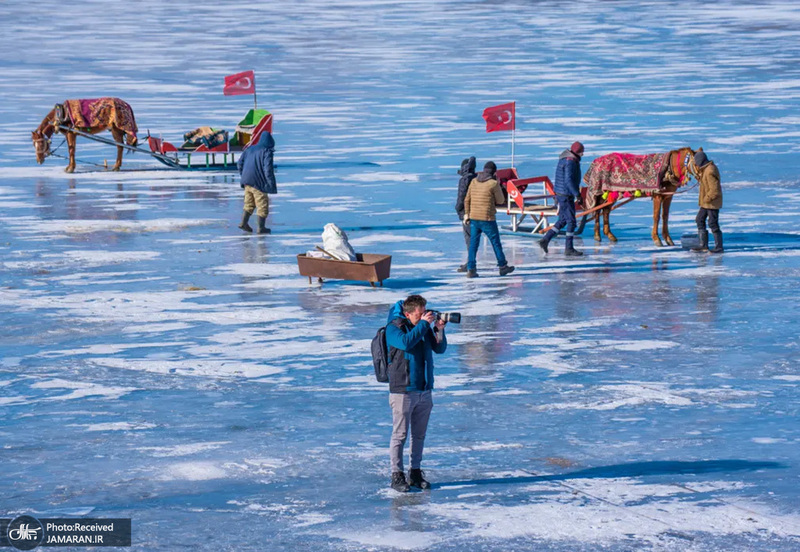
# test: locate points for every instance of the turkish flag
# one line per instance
(240, 83)
(500, 117)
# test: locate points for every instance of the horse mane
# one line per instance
(46, 127)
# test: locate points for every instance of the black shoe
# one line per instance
(399, 482)
(508, 269)
(472, 273)
(261, 228)
(462, 268)
(416, 478)
(571, 252)
(543, 243)
(244, 226)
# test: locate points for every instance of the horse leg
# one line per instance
(665, 220)
(596, 217)
(118, 137)
(607, 225)
(656, 213)
(72, 139)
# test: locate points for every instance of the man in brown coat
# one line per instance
(710, 201)
(480, 208)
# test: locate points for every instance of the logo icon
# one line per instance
(25, 533)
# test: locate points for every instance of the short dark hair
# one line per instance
(413, 301)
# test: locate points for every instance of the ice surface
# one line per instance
(158, 364)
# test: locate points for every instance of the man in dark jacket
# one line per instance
(467, 173)
(567, 188)
(258, 179)
(413, 334)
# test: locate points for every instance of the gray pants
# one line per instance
(414, 409)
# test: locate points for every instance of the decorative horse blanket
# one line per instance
(626, 172)
(101, 112)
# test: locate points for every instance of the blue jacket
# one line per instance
(256, 165)
(568, 175)
(413, 371)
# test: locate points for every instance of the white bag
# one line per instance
(334, 241)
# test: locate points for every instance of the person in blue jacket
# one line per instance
(257, 170)
(413, 334)
(568, 189)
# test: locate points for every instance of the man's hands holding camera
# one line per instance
(431, 318)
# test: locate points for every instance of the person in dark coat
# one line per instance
(257, 170)
(567, 188)
(710, 201)
(467, 173)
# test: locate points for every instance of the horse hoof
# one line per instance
(69, 170)
(612, 238)
(658, 243)
(669, 241)
(115, 169)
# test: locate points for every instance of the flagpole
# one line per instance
(513, 134)
(255, 99)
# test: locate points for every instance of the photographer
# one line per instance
(412, 336)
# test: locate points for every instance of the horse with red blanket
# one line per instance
(618, 175)
(90, 116)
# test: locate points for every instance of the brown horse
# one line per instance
(678, 166)
(91, 117)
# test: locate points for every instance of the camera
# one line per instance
(454, 317)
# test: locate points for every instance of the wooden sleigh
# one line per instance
(202, 158)
(368, 267)
(542, 208)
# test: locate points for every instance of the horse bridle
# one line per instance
(42, 138)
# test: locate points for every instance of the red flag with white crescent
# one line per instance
(240, 83)
(500, 117)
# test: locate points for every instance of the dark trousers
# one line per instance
(713, 219)
(566, 214)
(488, 227)
(467, 233)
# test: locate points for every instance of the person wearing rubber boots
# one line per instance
(567, 188)
(710, 202)
(257, 170)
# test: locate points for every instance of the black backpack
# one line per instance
(380, 355)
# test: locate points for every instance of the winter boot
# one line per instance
(703, 247)
(545, 241)
(717, 242)
(472, 273)
(416, 478)
(508, 269)
(399, 483)
(569, 250)
(462, 268)
(261, 228)
(244, 226)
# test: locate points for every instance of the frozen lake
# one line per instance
(157, 364)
